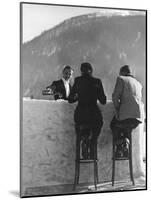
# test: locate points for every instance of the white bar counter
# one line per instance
(48, 146)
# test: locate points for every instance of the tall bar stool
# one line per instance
(79, 160)
(128, 128)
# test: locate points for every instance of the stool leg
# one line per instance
(77, 163)
(95, 174)
(130, 159)
(96, 157)
(76, 179)
(113, 164)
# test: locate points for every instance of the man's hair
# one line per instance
(126, 69)
(86, 68)
(66, 68)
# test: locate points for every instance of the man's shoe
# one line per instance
(91, 154)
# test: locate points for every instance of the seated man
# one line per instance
(127, 100)
(61, 88)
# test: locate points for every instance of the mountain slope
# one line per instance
(107, 42)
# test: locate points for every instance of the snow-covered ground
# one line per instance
(48, 146)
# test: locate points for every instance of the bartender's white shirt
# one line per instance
(67, 87)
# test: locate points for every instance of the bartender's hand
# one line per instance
(51, 89)
(46, 92)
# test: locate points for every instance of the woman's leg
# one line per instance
(96, 130)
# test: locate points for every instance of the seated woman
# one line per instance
(87, 90)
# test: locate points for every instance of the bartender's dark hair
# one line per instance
(67, 67)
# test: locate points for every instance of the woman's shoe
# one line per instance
(85, 153)
(119, 151)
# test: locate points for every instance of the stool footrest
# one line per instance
(118, 159)
(86, 161)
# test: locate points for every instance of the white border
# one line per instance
(9, 100)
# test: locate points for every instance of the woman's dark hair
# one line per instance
(86, 68)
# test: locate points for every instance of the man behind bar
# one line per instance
(61, 88)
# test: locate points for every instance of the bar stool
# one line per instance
(128, 128)
(79, 160)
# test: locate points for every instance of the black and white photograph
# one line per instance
(83, 99)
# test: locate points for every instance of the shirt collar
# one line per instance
(65, 81)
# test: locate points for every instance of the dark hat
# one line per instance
(126, 69)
